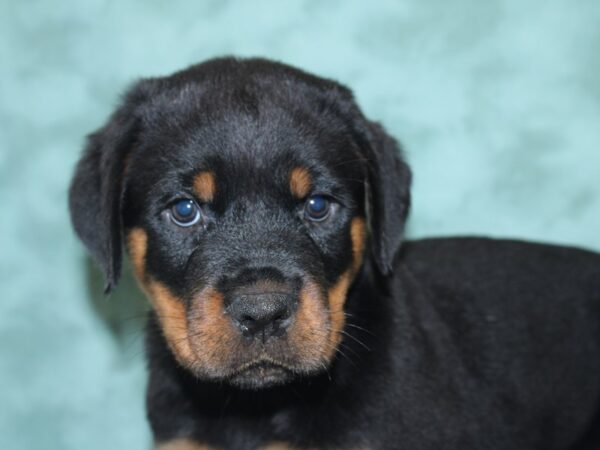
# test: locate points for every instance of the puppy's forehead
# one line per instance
(268, 159)
(250, 136)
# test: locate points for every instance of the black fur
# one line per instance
(449, 343)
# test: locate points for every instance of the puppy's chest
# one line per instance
(188, 444)
(282, 431)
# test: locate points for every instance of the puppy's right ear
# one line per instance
(97, 187)
(388, 195)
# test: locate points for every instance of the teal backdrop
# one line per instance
(497, 104)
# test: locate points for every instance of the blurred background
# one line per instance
(497, 104)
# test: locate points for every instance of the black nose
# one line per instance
(262, 315)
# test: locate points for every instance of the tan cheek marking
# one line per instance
(210, 327)
(169, 309)
(172, 315)
(137, 244)
(310, 344)
(337, 298)
(205, 186)
(357, 235)
(337, 293)
(311, 317)
(300, 182)
(214, 334)
(183, 444)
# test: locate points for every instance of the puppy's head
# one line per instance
(248, 195)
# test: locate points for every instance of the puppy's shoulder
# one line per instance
(480, 254)
(495, 268)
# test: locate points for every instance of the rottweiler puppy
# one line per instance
(263, 216)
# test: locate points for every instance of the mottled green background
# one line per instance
(497, 103)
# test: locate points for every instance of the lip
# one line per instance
(261, 374)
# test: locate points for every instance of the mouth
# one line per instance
(261, 374)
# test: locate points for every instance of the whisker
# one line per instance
(339, 350)
(324, 366)
(365, 346)
(352, 325)
(350, 349)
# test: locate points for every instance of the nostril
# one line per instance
(246, 319)
(246, 323)
(280, 312)
(279, 318)
(265, 314)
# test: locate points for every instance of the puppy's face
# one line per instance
(246, 231)
(243, 190)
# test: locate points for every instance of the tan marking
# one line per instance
(169, 309)
(205, 186)
(337, 299)
(308, 335)
(137, 244)
(197, 337)
(357, 235)
(183, 444)
(172, 316)
(317, 330)
(300, 182)
(215, 339)
(338, 292)
(206, 321)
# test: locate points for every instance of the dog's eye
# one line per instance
(317, 208)
(185, 212)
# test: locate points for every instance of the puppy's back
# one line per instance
(525, 320)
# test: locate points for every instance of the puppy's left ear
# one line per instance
(97, 187)
(387, 178)
(387, 193)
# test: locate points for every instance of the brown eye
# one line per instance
(317, 208)
(185, 213)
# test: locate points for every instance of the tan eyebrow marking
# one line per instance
(300, 182)
(205, 186)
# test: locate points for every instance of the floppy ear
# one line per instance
(388, 195)
(97, 188)
(388, 178)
